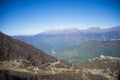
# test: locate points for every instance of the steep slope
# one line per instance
(14, 49)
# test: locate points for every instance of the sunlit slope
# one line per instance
(90, 49)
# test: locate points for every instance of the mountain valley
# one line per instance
(75, 57)
(20, 61)
(75, 45)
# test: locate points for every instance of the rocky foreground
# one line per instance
(96, 69)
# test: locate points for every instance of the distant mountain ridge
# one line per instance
(64, 40)
(61, 31)
(74, 30)
(110, 33)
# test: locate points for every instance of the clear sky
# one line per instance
(21, 17)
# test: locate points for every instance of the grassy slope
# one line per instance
(90, 49)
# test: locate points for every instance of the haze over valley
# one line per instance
(75, 45)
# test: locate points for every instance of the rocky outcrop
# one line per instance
(14, 75)
(20, 69)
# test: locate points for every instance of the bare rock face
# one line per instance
(15, 49)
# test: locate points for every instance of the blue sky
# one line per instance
(24, 17)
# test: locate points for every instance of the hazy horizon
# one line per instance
(27, 17)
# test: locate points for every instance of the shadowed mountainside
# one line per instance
(15, 49)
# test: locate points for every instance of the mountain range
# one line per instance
(74, 44)
(21, 61)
